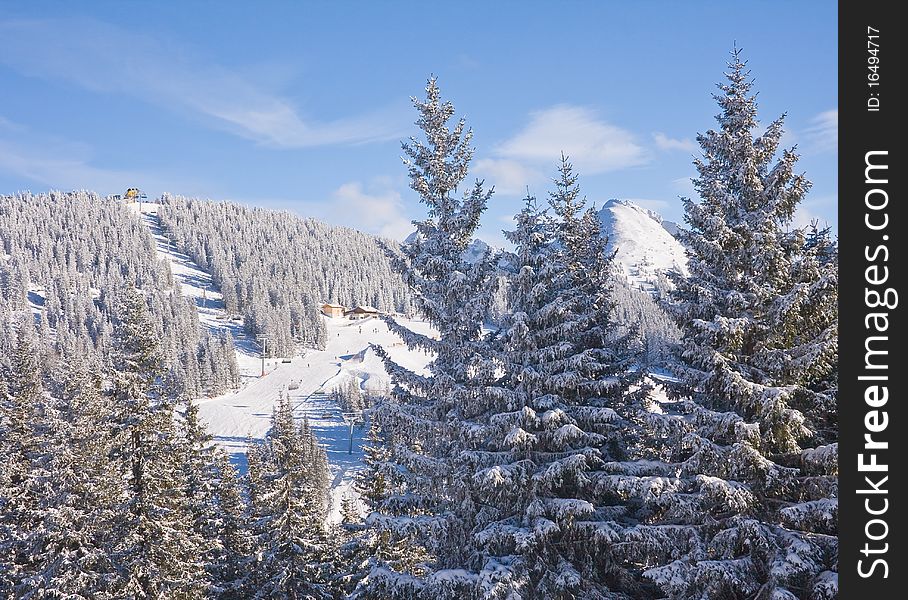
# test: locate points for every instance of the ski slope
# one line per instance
(244, 416)
(237, 418)
(196, 284)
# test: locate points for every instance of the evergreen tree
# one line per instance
(274, 268)
(22, 451)
(231, 563)
(78, 488)
(233, 367)
(756, 358)
(256, 514)
(291, 510)
(156, 546)
(434, 499)
(559, 418)
(383, 551)
(200, 472)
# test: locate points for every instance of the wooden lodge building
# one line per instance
(361, 312)
(333, 310)
(329, 309)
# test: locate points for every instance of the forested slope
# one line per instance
(274, 268)
(69, 259)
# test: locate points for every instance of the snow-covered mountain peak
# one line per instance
(474, 251)
(627, 203)
(644, 247)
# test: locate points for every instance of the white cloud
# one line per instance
(61, 171)
(531, 156)
(379, 213)
(466, 62)
(823, 133)
(663, 142)
(803, 217)
(103, 58)
(593, 145)
(821, 209)
(510, 177)
(789, 139)
(6, 124)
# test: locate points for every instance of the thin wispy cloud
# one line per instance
(60, 172)
(7, 125)
(664, 142)
(815, 210)
(684, 186)
(823, 133)
(374, 206)
(466, 62)
(102, 58)
(52, 162)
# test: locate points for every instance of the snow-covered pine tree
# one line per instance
(430, 416)
(291, 501)
(372, 483)
(207, 383)
(757, 350)
(79, 487)
(255, 486)
(155, 545)
(566, 366)
(22, 451)
(231, 564)
(375, 548)
(233, 367)
(198, 463)
(274, 267)
(349, 397)
(635, 308)
(805, 323)
(77, 250)
(7, 552)
(353, 559)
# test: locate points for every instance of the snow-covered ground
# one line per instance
(239, 417)
(234, 419)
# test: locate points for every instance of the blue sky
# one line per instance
(302, 105)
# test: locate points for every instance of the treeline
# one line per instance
(274, 268)
(66, 259)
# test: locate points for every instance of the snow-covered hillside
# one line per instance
(238, 417)
(644, 246)
(195, 283)
(235, 418)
